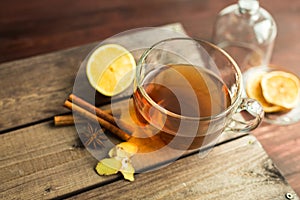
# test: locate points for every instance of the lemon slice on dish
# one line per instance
(110, 69)
(281, 88)
(254, 90)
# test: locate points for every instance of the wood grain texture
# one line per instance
(33, 27)
(40, 27)
(37, 27)
(35, 88)
(43, 161)
(282, 144)
(235, 170)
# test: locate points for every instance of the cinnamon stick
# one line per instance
(107, 125)
(67, 120)
(63, 120)
(100, 113)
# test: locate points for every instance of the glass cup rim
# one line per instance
(175, 115)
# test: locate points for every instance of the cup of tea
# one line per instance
(189, 92)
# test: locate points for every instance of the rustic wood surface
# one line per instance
(39, 160)
(282, 144)
(44, 161)
(231, 171)
(25, 101)
(34, 27)
(36, 99)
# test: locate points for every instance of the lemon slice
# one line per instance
(110, 69)
(281, 88)
(254, 90)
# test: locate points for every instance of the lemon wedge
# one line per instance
(110, 69)
(281, 88)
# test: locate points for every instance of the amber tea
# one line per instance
(182, 91)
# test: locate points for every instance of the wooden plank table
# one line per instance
(41, 161)
(32, 27)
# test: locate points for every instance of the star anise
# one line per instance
(93, 137)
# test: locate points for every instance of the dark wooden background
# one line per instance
(33, 27)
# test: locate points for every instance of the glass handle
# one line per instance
(248, 116)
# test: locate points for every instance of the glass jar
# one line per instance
(247, 32)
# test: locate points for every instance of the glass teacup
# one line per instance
(190, 91)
